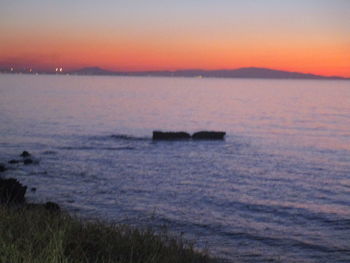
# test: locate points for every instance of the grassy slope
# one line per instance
(36, 235)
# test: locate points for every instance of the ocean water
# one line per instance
(277, 189)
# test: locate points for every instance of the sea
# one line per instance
(276, 189)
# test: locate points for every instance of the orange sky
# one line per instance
(293, 36)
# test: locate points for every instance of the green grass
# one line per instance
(36, 235)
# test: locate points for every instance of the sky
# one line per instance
(310, 36)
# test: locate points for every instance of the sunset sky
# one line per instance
(311, 36)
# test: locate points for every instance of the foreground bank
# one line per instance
(39, 235)
(44, 233)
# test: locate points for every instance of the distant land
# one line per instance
(250, 72)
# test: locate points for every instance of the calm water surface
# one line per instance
(277, 189)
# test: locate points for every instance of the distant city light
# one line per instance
(59, 70)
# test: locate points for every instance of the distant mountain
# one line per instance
(260, 73)
(251, 72)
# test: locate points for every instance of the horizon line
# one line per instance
(109, 72)
(49, 70)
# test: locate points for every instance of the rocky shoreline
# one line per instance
(43, 232)
(12, 192)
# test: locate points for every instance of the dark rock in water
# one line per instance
(12, 191)
(158, 135)
(208, 135)
(52, 207)
(2, 168)
(33, 189)
(28, 161)
(13, 161)
(25, 154)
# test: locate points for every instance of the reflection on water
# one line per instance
(276, 189)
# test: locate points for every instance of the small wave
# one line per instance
(295, 213)
(282, 242)
(81, 148)
(118, 148)
(238, 236)
(128, 137)
(88, 148)
(49, 152)
(119, 137)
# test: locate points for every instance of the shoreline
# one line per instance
(44, 232)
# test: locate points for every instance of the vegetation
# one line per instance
(38, 235)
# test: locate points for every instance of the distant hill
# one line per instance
(251, 72)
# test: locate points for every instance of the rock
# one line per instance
(208, 135)
(25, 154)
(159, 135)
(52, 207)
(2, 168)
(13, 161)
(11, 191)
(33, 189)
(28, 161)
